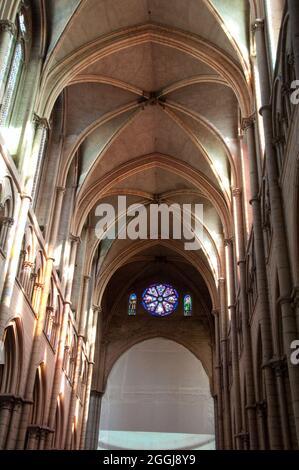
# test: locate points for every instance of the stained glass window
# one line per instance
(132, 305)
(188, 306)
(160, 300)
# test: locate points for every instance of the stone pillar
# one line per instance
(293, 6)
(61, 345)
(13, 264)
(14, 425)
(81, 336)
(262, 289)
(42, 128)
(28, 179)
(32, 438)
(93, 423)
(250, 388)
(280, 368)
(218, 372)
(7, 33)
(6, 405)
(234, 339)
(97, 313)
(290, 329)
(37, 341)
(225, 376)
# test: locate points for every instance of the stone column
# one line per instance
(97, 313)
(262, 289)
(93, 423)
(61, 345)
(234, 339)
(14, 425)
(6, 405)
(12, 270)
(225, 376)
(7, 33)
(33, 438)
(250, 388)
(28, 179)
(81, 337)
(280, 368)
(218, 372)
(290, 329)
(293, 6)
(37, 341)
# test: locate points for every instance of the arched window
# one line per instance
(5, 222)
(57, 438)
(7, 369)
(37, 410)
(132, 308)
(70, 351)
(13, 69)
(187, 305)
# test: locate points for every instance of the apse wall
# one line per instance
(157, 386)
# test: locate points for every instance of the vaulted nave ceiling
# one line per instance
(152, 98)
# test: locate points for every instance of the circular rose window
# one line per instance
(160, 300)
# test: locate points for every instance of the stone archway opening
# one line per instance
(157, 397)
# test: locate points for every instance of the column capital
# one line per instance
(221, 280)
(60, 189)
(97, 309)
(258, 25)
(278, 364)
(8, 221)
(236, 192)
(27, 264)
(247, 122)
(261, 408)
(26, 196)
(40, 122)
(215, 312)
(254, 199)
(75, 239)
(8, 26)
(266, 107)
(228, 241)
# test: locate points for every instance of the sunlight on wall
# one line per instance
(11, 136)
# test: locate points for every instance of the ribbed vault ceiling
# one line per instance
(148, 117)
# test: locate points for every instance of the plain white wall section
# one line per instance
(158, 386)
